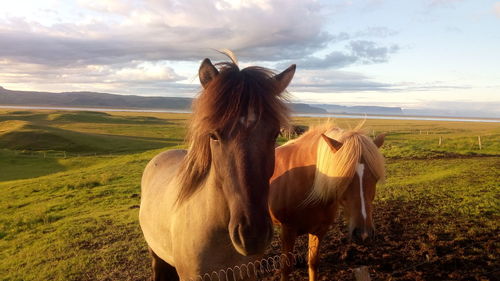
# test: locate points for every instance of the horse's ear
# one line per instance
(284, 78)
(207, 72)
(333, 144)
(379, 140)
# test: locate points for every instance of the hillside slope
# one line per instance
(25, 135)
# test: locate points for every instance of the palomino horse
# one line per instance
(205, 209)
(315, 174)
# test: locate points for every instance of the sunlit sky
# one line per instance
(438, 54)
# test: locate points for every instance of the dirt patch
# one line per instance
(410, 245)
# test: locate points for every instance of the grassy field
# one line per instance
(70, 182)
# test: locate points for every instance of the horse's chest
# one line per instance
(196, 255)
(314, 220)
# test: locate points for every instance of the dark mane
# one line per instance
(219, 108)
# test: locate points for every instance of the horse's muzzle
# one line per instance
(251, 239)
(362, 234)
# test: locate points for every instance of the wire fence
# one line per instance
(62, 154)
(440, 139)
(260, 269)
(266, 268)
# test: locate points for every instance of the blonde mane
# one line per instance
(334, 171)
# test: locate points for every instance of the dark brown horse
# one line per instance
(325, 168)
(205, 209)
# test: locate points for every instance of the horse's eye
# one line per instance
(214, 136)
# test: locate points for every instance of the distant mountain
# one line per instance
(333, 108)
(92, 99)
(104, 100)
(306, 108)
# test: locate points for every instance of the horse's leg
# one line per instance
(313, 257)
(162, 271)
(288, 236)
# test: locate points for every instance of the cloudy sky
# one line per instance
(438, 54)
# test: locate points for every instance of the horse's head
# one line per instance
(348, 167)
(357, 200)
(237, 118)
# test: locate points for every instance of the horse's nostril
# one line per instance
(364, 235)
(236, 234)
(361, 235)
(241, 235)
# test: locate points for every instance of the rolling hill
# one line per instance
(26, 135)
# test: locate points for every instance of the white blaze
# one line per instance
(360, 170)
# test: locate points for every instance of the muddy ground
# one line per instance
(409, 245)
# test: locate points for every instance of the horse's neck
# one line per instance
(297, 159)
(202, 232)
(304, 152)
(293, 177)
(213, 199)
(218, 202)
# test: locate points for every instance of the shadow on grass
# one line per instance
(13, 167)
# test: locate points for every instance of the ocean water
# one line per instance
(333, 115)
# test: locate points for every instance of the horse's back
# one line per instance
(158, 195)
(161, 169)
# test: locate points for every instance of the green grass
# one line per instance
(101, 117)
(75, 218)
(420, 139)
(68, 225)
(15, 165)
(87, 132)
(455, 187)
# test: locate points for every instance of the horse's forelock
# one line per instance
(335, 170)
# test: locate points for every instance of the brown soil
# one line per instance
(409, 245)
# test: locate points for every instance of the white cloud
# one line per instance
(443, 2)
(328, 81)
(496, 9)
(239, 4)
(133, 46)
(146, 72)
(358, 52)
(122, 43)
(168, 30)
(107, 6)
(118, 78)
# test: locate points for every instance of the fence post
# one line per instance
(440, 140)
(479, 142)
(361, 274)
